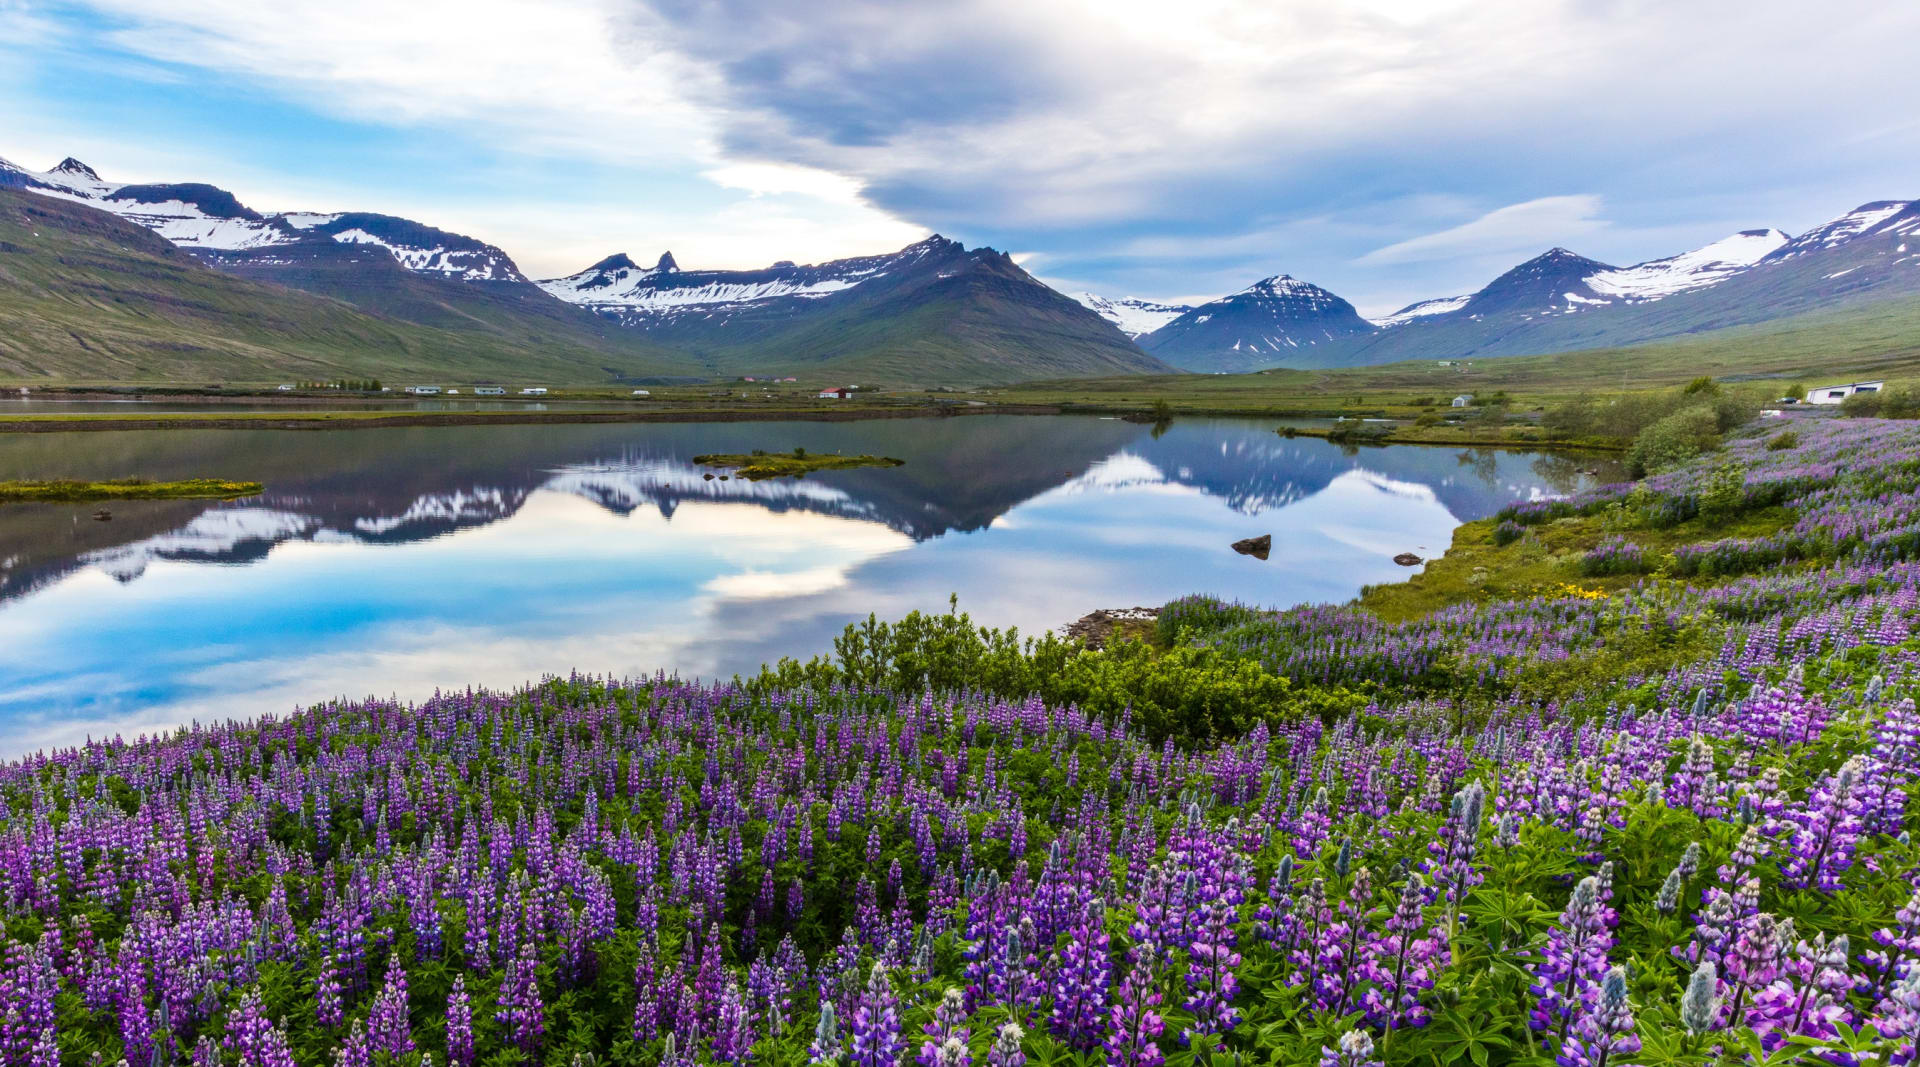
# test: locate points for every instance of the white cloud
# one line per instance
(1529, 227)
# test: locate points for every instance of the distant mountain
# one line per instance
(1136, 318)
(86, 295)
(1278, 320)
(1560, 301)
(933, 313)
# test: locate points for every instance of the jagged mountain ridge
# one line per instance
(932, 313)
(1561, 301)
(935, 312)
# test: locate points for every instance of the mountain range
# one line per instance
(1560, 301)
(934, 313)
(168, 282)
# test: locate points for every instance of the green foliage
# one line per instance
(1783, 442)
(1725, 493)
(1674, 440)
(1886, 404)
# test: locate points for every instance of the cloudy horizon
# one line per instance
(1389, 150)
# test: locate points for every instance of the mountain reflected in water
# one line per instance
(398, 560)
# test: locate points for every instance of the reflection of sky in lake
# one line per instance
(343, 582)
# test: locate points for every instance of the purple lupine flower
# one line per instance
(521, 1010)
(1005, 1050)
(1897, 1016)
(733, 1034)
(1808, 997)
(1575, 954)
(1826, 832)
(1085, 974)
(388, 1026)
(949, 1024)
(459, 1024)
(1400, 964)
(1211, 983)
(874, 1040)
(826, 1046)
(1355, 1050)
(1604, 1030)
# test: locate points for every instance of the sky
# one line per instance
(1390, 150)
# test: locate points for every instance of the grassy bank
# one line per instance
(755, 466)
(65, 491)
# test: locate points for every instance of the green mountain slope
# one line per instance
(85, 296)
(980, 320)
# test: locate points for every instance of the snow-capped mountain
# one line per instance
(1901, 217)
(652, 296)
(1273, 321)
(1135, 317)
(208, 220)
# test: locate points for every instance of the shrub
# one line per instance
(1724, 493)
(1507, 532)
(1674, 440)
(1784, 442)
(1886, 404)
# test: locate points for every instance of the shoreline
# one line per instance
(358, 419)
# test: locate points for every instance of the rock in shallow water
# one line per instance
(1257, 547)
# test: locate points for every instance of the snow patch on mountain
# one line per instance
(1421, 309)
(1697, 269)
(1859, 222)
(1134, 317)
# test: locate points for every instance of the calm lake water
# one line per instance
(394, 561)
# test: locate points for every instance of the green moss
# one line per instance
(64, 491)
(796, 464)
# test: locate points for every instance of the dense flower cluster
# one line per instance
(1714, 857)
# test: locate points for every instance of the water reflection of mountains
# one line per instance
(400, 486)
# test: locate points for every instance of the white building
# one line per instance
(1463, 400)
(424, 390)
(534, 390)
(841, 393)
(641, 392)
(1833, 394)
(489, 390)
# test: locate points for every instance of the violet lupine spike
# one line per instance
(459, 1024)
(1083, 980)
(1604, 1031)
(388, 1026)
(1574, 956)
(1826, 832)
(874, 1037)
(1808, 997)
(1354, 1049)
(1006, 1050)
(949, 1024)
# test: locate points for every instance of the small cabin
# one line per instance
(424, 390)
(1463, 400)
(284, 388)
(534, 390)
(641, 392)
(489, 390)
(843, 392)
(1833, 394)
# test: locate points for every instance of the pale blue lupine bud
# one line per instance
(1699, 1005)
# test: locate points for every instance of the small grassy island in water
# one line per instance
(66, 491)
(795, 464)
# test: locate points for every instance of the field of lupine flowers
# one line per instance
(1666, 822)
